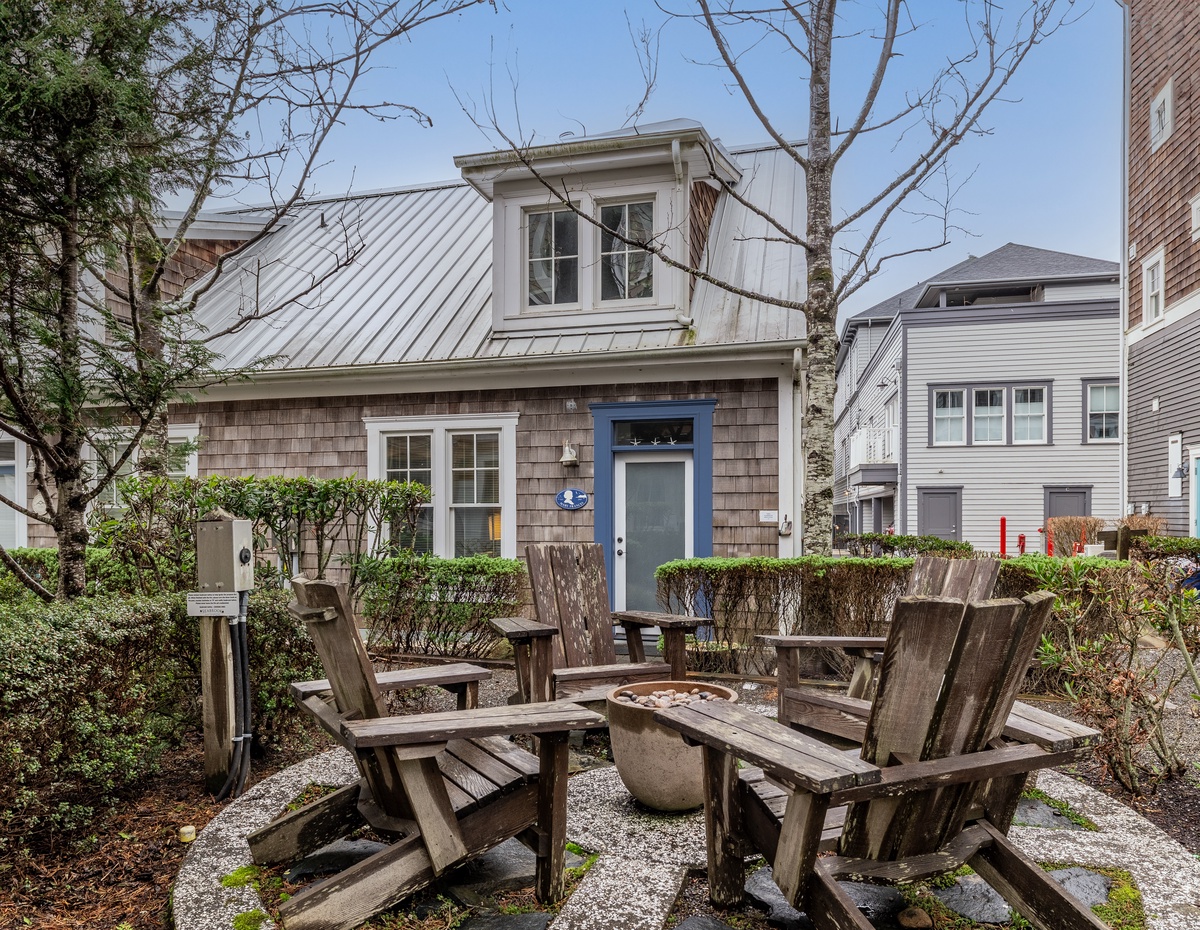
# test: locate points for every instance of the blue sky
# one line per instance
(1047, 176)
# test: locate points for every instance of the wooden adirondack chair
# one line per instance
(945, 753)
(443, 786)
(569, 652)
(966, 579)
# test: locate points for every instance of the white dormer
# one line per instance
(555, 265)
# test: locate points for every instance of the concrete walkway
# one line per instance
(644, 858)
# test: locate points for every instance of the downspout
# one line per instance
(683, 319)
(1127, 82)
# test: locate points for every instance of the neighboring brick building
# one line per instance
(1163, 262)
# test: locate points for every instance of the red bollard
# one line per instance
(1021, 543)
(1003, 536)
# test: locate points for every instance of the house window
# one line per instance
(1103, 412)
(410, 458)
(1029, 414)
(182, 461)
(1194, 208)
(949, 418)
(469, 465)
(553, 258)
(1162, 115)
(1153, 273)
(475, 479)
(626, 272)
(987, 415)
(12, 486)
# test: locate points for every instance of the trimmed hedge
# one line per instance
(106, 573)
(94, 690)
(867, 544)
(1150, 548)
(425, 605)
(820, 596)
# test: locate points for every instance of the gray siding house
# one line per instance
(990, 390)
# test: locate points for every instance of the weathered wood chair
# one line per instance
(965, 579)
(569, 652)
(945, 753)
(443, 786)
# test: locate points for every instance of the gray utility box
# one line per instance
(225, 555)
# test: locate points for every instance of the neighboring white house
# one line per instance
(991, 390)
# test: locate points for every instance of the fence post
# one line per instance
(1003, 537)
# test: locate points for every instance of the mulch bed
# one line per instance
(121, 874)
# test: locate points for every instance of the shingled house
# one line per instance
(990, 390)
(1162, 257)
(500, 348)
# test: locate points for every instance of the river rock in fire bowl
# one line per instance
(654, 762)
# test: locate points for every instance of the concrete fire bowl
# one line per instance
(657, 767)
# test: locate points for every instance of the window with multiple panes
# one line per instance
(1103, 412)
(987, 415)
(626, 271)
(469, 465)
(182, 462)
(8, 487)
(1162, 115)
(1029, 414)
(949, 418)
(1152, 287)
(475, 507)
(410, 458)
(553, 258)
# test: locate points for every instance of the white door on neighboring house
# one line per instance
(12, 524)
(652, 519)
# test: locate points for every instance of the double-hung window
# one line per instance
(553, 258)
(1103, 412)
(1029, 414)
(182, 460)
(1153, 271)
(949, 418)
(987, 415)
(626, 271)
(469, 465)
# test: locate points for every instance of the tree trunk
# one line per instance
(71, 520)
(820, 308)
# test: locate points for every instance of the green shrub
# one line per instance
(93, 690)
(867, 544)
(424, 605)
(106, 573)
(82, 689)
(1152, 548)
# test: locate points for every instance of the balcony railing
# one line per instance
(873, 446)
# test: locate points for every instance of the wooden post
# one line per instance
(723, 828)
(551, 816)
(216, 678)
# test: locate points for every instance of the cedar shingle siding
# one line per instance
(325, 437)
(1164, 45)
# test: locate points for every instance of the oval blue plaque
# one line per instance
(571, 499)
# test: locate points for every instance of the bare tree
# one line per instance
(850, 101)
(116, 108)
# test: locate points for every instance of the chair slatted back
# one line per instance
(351, 678)
(948, 680)
(570, 592)
(966, 579)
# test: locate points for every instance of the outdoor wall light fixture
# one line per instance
(1179, 472)
(569, 457)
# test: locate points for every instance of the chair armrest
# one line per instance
(818, 642)
(443, 676)
(519, 629)
(664, 621)
(546, 717)
(903, 779)
(793, 759)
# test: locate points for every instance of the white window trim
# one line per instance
(440, 427)
(176, 432)
(1045, 440)
(963, 418)
(1087, 412)
(510, 246)
(1165, 97)
(1157, 257)
(20, 490)
(1003, 440)
(1194, 210)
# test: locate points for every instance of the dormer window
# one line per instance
(553, 258)
(626, 272)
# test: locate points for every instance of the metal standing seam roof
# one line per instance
(419, 288)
